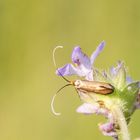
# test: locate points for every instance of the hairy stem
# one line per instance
(119, 117)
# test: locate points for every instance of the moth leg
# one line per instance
(101, 104)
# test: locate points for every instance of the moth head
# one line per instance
(77, 83)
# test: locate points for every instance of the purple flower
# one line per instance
(108, 130)
(83, 64)
(88, 108)
(117, 106)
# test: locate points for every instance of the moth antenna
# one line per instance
(53, 99)
(54, 50)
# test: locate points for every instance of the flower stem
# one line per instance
(119, 116)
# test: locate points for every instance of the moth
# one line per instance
(92, 87)
(84, 86)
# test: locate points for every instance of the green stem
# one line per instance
(119, 117)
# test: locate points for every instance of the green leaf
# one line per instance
(129, 95)
(119, 79)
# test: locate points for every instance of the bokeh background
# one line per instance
(29, 30)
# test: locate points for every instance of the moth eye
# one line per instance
(77, 83)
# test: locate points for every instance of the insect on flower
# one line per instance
(96, 88)
(85, 86)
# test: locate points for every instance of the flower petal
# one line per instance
(97, 52)
(78, 57)
(113, 71)
(129, 79)
(119, 76)
(87, 108)
(68, 69)
(89, 76)
(111, 134)
(108, 129)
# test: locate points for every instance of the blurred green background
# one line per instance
(29, 30)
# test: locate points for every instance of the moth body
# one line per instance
(93, 87)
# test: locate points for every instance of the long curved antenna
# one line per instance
(54, 50)
(53, 99)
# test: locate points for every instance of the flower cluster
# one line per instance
(118, 106)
